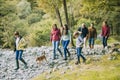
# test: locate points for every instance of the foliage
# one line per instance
(40, 34)
(6, 8)
(23, 9)
(35, 17)
(82, 20)
(102, 10)
(12, 24)
(49, 5)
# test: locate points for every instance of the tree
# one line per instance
(58, 14)
(102, 10)
(52, 7)
(23, 9)
(6, 10)
(67, 20)
(65, 10)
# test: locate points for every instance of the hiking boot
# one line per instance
(16, 68)
(25, 66)
(77, 63)
(84, 61)
(54, 58)
(17, 64)
(65, 59)
(24, 63)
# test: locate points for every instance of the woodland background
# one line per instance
(34, 18)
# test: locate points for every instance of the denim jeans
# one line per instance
(55, 48)
(65, 45)
(79, 49)
(91, 41)
(19, 54)
(104, 41)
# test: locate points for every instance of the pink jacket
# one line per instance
(55, 35)
(105, 31)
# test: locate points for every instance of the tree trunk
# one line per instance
(58, 16)
(65, 10)
(71, 23)
(111, 29)
(67, 21)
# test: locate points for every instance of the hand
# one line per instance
(14, 49)
(79, 32)
(50, 39)
(106, 37)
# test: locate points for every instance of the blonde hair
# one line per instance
(76, 33)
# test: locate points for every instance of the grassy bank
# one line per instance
(101, 70)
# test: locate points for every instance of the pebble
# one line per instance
(7, 62)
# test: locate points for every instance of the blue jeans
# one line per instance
(56, 47)
(79, 49)
(65, 45)
(19, 54)
(104, 41)
(91, 41)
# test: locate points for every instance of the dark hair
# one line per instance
(16, 33)
(65, 29)
(92, 23)
(54, 25)
(106, 23)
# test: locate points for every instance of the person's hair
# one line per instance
(75, 34)
(65, 31)
(54, 25)
(105, 22)
(92, 24)
(83, 24)
(16, 33)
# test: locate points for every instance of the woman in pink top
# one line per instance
(55, 39)
(105, 33)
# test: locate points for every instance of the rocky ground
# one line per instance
(7, 61)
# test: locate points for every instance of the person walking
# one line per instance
(66, 36)
(79, 46)
(92, 35)
(19, 47)
(84, 32)
(55, 39)
(105, 33)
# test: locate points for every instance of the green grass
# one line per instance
(101, 70)
(94, 70)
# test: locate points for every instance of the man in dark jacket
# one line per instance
(84, 31)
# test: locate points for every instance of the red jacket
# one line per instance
(55, 35)
(105, 31)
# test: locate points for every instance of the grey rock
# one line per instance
(63, 72)
(7, 62)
